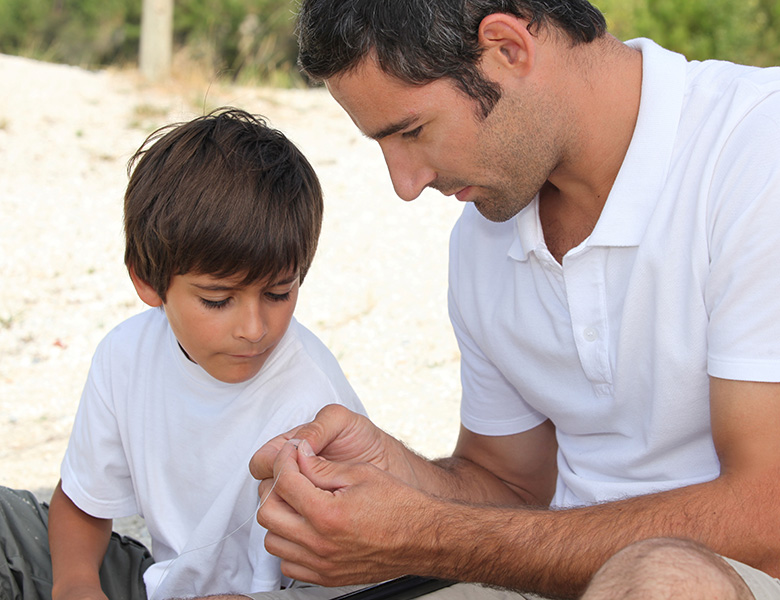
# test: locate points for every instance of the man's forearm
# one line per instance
(460, 479)
(557, 552)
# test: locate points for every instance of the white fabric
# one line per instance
(157, 436)
(678, 280)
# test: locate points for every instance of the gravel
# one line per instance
(376, 293)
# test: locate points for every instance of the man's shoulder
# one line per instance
(731, 89)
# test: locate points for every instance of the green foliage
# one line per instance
(72, 31)
(252, 40)
(744, 31)
(247, 40)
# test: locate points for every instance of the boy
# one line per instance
(222, 217)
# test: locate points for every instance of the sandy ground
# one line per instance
(376, 294)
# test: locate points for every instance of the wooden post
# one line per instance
(156, 39)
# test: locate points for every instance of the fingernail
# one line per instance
(294, 442)
(305, 449)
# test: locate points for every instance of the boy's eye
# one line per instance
(278, 297)
(215, 303)
(412, 134)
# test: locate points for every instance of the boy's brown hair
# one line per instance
(223, 195)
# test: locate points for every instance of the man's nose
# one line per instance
(409, 174)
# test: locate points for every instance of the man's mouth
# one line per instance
(463, 194)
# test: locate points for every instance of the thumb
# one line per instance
(324, 474)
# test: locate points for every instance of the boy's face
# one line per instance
(228, 329)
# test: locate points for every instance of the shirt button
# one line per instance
(590, 334)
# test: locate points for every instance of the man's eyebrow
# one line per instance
(394, 128)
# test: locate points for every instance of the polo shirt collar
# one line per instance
(643, 172)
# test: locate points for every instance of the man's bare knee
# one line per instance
(667, 568)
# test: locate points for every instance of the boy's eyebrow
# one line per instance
(291, 279)
(393, 128)
(221, 287)
(215, 287)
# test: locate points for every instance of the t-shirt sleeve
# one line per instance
(95, 472)
(490, 404)
(744, 283)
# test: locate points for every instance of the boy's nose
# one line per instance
(251, 325)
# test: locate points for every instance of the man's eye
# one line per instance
(412, 134)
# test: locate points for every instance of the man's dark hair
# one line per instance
(419, 41)
(221, 195)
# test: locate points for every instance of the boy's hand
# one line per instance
(80, 593)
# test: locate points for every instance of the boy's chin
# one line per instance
(235, 375)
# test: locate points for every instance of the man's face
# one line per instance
(229, 329)
(432, 135)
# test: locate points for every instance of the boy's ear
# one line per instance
(509, 48)
(145, 291)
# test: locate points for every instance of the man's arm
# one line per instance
(521, 468)
(478, 471)
(338, 523)
(78, 543)
(736, 514)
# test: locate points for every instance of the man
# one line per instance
(613, 292)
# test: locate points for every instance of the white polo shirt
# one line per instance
(678, 281)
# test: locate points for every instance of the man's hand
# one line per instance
(334, 523)
(342, 436)
(346, 503)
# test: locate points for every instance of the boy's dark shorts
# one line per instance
(25, 562)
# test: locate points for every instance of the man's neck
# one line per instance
(605, 95)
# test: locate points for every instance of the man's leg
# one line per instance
(672, 568)
(25, 562)
(459, 591)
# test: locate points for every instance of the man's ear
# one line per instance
(509, 48)
(145, 291)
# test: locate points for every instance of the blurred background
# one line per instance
(251, 41)
(376, 294)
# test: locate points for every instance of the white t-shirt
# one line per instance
(679, 280)
(156, 435)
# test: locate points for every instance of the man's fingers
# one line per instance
(295, 558)
(285, 463)
(290, 494)
(324, 474)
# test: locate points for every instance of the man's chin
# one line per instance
(494, 213)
